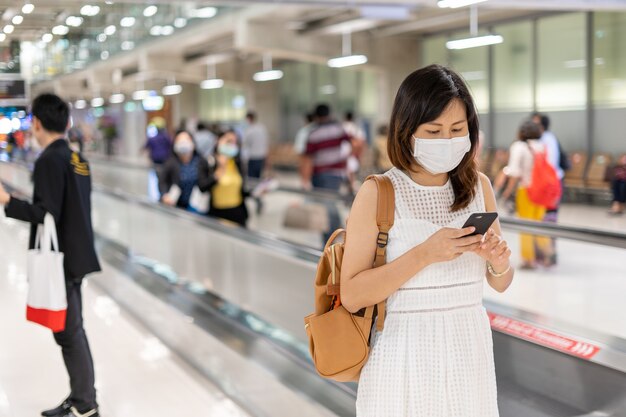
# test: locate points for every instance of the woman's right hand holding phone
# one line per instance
(448, 244)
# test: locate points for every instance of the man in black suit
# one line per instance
(62, 187)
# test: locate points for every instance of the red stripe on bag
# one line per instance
(53, 320)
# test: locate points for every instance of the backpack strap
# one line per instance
(384, 220)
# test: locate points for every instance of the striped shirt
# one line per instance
(326, 145)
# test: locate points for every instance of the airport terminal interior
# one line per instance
(199, 308)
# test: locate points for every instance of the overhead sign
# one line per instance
(543, 337)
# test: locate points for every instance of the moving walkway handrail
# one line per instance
(269, 240)
(613, 348)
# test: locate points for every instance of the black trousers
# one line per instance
(76, 352)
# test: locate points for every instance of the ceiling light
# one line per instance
(8, 29)
(128, 45)
(204, 13)
(347, 61)
(127, 21)
(475, 42)
(155, 30)
(150, 11)
(142, 94)
(110, 30)
(89, 10)
(3, 37)
(172, 90)
(60, 30)
(269, 75)
(104, 55)
(97, 102)
(47, 38)
(180, 22)
(212, 84)
(17, 19)
(117, 98)
(28, 8)
(74, 21)
(101, 37)
(80, 104)
(167, 30)
(454, 4)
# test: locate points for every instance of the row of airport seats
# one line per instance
(586, 177)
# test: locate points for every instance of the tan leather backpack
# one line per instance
(339, 340)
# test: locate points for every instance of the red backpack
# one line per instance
(545, 186)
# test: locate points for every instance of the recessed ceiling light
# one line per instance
(17, 19)
(8, 29)
(47, 38)
(60, 30)
(28, 8)
(104, 55)
(128, 45)
(180, 22)
(74, 21)
(204, 13)
(127, 21)
(167, 30)
(150, 11)
(80, 104)
(155, 30)
(3, 37)
(110, 30)
(89, 10)
(101, 37)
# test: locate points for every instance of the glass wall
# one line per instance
(561, 76)
(227, 104)
(344, 89)
(609, 59)
(473, 66)
(513, 64)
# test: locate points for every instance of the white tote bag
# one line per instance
(47, 299)
(199, 201)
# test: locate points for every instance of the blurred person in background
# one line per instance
(299, 145)
(257, 147)
(205, 141)
(158, 144)
(358, 143)
(324, 162)
(553, 147)
(519, 171)
(76, 138)
(223, 178)
(383, 163)
(181, 171)
(617, 177)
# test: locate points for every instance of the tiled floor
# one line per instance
(136, 374)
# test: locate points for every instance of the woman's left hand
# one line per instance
(494, 250)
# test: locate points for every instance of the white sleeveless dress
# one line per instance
(434, 357)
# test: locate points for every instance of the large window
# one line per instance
(226, 104)
(561, 83)
(609, 64)
(472, 64)
(434, 50)
(513, 61)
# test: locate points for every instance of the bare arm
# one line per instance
(306, 170)
(495, 250)
(362, 285)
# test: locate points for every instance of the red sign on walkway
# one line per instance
(542, 337)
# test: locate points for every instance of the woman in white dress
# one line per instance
(434, 357)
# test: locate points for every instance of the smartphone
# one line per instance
(481, 221)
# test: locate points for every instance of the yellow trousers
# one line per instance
(528, 210)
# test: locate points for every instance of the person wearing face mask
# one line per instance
(434, 357)
(180, 173)
(223, 179)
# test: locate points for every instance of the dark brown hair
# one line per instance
(529, 130)
(422, 97)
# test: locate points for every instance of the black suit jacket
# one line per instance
(62, 181)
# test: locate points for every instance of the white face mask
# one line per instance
(183, 147)
(439, 156)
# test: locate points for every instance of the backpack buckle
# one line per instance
(382, 239)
